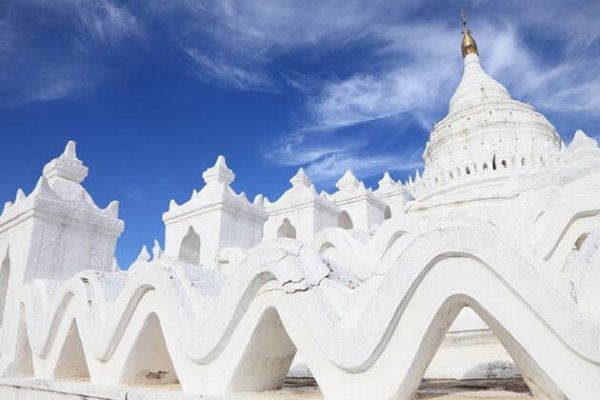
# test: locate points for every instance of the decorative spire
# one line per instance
(20, 196)
(144, 255)
(219, 172)
(386, 181)
(156, 250)
(66, 166)
(469, 46)
(259, 200)
(348, 181)
(300, 179)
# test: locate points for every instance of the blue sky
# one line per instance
(153, 91)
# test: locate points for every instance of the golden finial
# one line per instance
(469, 46)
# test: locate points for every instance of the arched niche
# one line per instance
(286, 230)
(189, 251)
(344, 221)
(329, 251)
(387, 213)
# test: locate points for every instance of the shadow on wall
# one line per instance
(387, 213)
(344, 221)
(149, 361)
(189, 251)
(286, 230)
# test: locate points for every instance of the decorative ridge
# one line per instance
(288, 277)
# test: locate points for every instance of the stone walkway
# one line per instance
(476, 389)
(490, 389)
(294, 389)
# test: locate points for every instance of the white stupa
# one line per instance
(486, 130)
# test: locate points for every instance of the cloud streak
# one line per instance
(230, 75)
(330, 168)
(365, 72)
(33, 68)
(416, 81)
(93, 20)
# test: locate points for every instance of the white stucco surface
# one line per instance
(503, 225)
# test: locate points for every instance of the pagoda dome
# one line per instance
(475, 87)
(486, 130)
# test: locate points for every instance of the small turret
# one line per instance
(197, 229)
(68, 231)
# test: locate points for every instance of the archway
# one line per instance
(149, 361)
(71, 361)
(286, 230)
(189, 251)
(344, 221)
(22, 363)
(509, 376)
(387, 213)
(267, 357)
(471, 351)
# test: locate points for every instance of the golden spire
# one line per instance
(469, 46)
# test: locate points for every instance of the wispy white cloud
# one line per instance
(363, 98)
(233, 75)
(332, 167)
(421, 85)
(404, 66)
(301, 149)
(263, 27)
(245, 33)
(54, 85)
(408, 86)
(96, 20)
(135, 193)
(33, 68)
(568, 86)
(417, 81)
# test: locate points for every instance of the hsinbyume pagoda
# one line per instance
(485, 265)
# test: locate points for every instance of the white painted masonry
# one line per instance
(503, 223)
